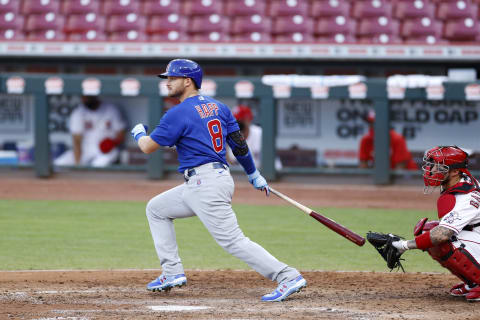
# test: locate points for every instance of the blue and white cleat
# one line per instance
(165, 283)
(285, 289)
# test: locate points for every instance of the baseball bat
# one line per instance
(329, 223)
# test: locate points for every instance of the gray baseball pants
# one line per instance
(208, 195)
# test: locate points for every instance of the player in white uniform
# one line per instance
(454, 241)
(97, 129)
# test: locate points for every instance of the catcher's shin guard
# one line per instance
(458, 260)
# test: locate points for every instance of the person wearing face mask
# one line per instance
(97, 130)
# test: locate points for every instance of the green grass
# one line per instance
(114, 235)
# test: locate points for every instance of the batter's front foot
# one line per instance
(285, 289)
(165, 283)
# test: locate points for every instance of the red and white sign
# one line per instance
(91, 87)
(282, 91)
(209, 88)
(472, 91)
(130, 87)
(357, 91)
(395, 92)
(54, 85)
(15, 85)
(244, 89)
(319, 92)
(435, 92)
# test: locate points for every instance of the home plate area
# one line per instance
(226, 294)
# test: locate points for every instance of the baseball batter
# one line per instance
(200, 127)
(454, 241)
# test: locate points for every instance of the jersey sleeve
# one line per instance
(170, 128)
(232, 124)
(400, 152)
(76, 124)
(461, 215)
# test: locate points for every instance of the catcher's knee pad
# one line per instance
(458, 260)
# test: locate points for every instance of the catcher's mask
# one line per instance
(438, 161)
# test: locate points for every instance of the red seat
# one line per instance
(130, 35)
(292, 24)
(170, 36)
(120, 7)
(160, 7)
(11, 21)
(80, 7)
(202, 7)
(377, 26)
(251, 37)
(294, 37)
(380, 38)
(336, 38)
(328, 27)
(84, 22)
(10, 34)
(10, 6)
(245, 7)
(456, 10)
(214, 36)
(40, 6)
(370, 9)
(421, 27)
(413, 9)
(430, 39)
(164, 24)
(248, 24)
(207, 24)
(329, 8)
(44, 21)
(125, 23)
(461, 30)
(287, 8)
(46, 35)
(87, 35)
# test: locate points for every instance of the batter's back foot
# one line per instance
(167, 282)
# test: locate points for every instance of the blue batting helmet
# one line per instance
(184, 68)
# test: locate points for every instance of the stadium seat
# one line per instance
(40, 6)
(160, 7)
(87, 35)
(202, 7)
(461, 30)
(130, 35)
(80, 7)
(329, 8)
(249, 24)
(406, 9)
(287, 8)
(46, 35)
(120, 7)
(430, 39)
(293, 37)
(247, 37)
(79, 23)
(10, 34)
(214, 36)
(381, 38)
(125, 23)
(330, 27)
(11, 21)
(44, 21)
(292, 24)
(170, 36)
(377, 26)
(456, 10)
(421, 27)
(235, 8)
(370, 9)
(207, 24)
(10, 6)
(336, 38)
(164, 24)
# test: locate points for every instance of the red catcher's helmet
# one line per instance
(242, 112)
(438, 161)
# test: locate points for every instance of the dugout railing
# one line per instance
(148, 87)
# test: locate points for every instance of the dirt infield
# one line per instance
(223, 294)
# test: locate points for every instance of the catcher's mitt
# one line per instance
(383, 243)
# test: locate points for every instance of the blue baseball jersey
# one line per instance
(198, 127)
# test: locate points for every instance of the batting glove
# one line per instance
(259, 182)
(401, 245)
(139, 131)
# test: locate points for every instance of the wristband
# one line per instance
(423, 241)
(138, 136)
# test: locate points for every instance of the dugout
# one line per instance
(312, 124)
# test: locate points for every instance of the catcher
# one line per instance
(454, 240)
